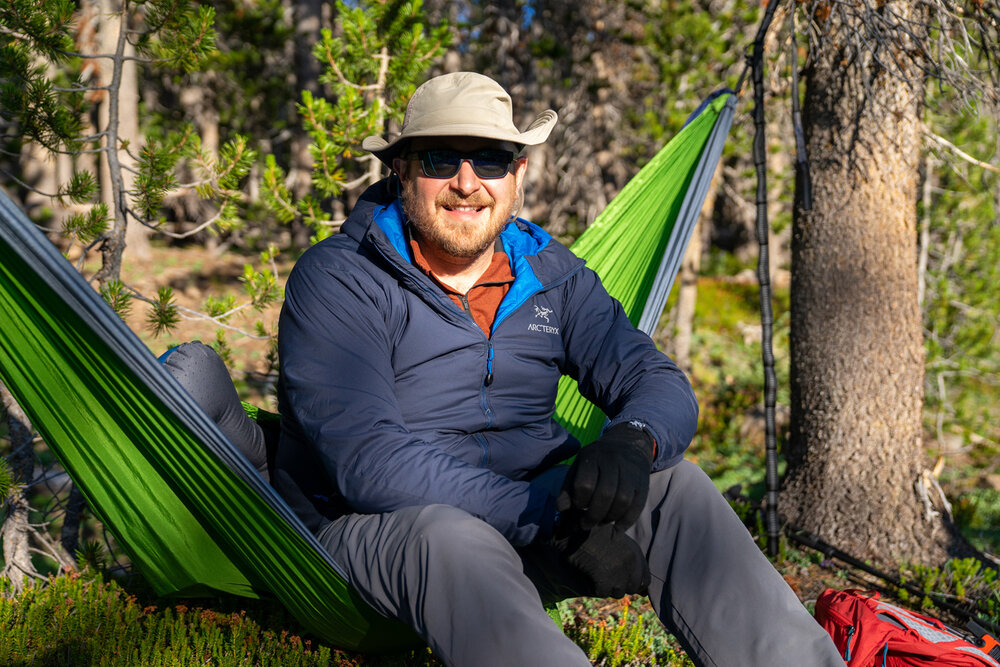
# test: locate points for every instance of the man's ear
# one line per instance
(520, 169)
(399, 165)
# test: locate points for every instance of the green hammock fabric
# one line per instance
(192, 514)
(637, 242)
(152, 465)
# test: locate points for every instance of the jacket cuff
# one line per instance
(547, 522)
(638, 425)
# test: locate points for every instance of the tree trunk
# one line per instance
(39, 172)
(126, 123)
(687, 298)
(308, 18)
(199, 104)
(15, 530)
(137, 236)
(687, 295)
(69, 534)
(857, 356)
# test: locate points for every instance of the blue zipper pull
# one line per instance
(847, 651)
(489, 366)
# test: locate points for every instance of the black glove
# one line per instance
(608, 558)
(609, 480)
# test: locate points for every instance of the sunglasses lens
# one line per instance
(445, 163)
(492, 164)
(439, 164)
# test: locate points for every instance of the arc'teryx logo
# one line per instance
(542, 312)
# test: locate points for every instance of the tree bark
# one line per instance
(39, 172)
(857, 356)
(199, 103)
(687, 295)
(122, 122)
(687, 298)
(137, 236)
(113, 246)
(15, 532)
(308, 19)
(69, 534)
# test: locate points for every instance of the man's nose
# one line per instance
(465, 181)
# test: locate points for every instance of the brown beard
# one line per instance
(457, 242)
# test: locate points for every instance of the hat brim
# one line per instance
(536, 133)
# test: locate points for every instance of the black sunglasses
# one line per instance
(444, 163)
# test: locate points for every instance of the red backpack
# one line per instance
(872, 633)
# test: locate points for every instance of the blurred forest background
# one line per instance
(182, 155)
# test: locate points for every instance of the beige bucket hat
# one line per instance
(461, 104)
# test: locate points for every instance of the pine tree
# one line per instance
(372, 63)
(855, 472)
(53, 76)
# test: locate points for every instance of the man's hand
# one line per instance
(609, 558)
(609, 480)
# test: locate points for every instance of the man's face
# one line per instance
(461, 215)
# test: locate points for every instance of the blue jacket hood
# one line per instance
(378, 218)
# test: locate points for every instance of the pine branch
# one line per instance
(79, 89)
(194, 315)
(49, 548)
(176, 235)
(21, 37)
(959, 152)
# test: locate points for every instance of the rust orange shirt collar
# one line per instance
(483, 299)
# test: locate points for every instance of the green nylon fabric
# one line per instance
(187, 521)
(191, 513)
(626, 242)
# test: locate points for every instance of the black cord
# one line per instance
(756, 62)
(805, 538)
(757, 50)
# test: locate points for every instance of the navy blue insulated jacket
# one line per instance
(392, 396)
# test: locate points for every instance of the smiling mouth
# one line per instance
(464, 209)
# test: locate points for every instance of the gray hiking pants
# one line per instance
(478, 601)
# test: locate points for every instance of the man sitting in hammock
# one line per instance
(420, 351)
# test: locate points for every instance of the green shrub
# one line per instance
(964, 581)
(628, 637)
(74, 621)
(977, 513)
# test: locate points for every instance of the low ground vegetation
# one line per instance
(82, 619)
